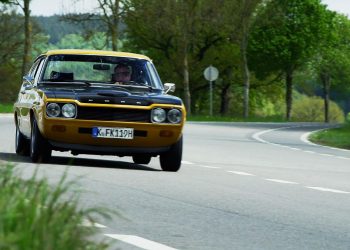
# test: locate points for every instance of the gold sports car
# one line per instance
(98, 102)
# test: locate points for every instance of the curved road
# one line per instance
(241, 186)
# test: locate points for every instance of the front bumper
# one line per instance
(74, 131)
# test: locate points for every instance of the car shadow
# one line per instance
(80, 162)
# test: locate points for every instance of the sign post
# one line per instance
(211, 74)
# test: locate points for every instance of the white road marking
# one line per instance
(257, 135)
(329, 190)
(326, 154)
(187, 162)
(87, 223)
(282, 181)
(240, 173)
(140, 242)
(305, 139)
(344, 158)
(202, 166)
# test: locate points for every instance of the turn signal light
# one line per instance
(166, 133)
(58, 128)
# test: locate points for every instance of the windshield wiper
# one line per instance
(66, 82)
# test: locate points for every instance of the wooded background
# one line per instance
(276, 58)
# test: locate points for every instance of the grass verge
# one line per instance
(6, 108)
(336, 137)
(35, 215)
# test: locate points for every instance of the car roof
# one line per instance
(95, 52)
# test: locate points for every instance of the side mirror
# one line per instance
(169, 87)
(28, 79)
(27, 83)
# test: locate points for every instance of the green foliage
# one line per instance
(10, 79)
(56, 27)
(6, 108)
(286, 34)
(215, 118)
(70, 41)
(34, 215)
(172, 32)
(337, 137)
(311, 109)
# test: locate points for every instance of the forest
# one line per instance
(288, 60)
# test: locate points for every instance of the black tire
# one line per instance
(40, 149)
(22, 144)
(141, 159)
(171, 160)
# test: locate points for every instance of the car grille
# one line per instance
(114, 114)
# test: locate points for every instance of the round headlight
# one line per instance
(174, 116)
(53, 110)
(158, 115)
(68, 110)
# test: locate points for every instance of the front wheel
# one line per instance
(22, 144)
(171, 160)
(40, 150)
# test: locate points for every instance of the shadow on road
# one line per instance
(72, 161)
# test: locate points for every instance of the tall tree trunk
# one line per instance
(186, 83)
(246, 76)
(289, 97)
(111, 17)
(326, 82)
(225, 99)
(27, 37)
(115, 25)
(226, 93)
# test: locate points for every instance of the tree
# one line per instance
(332, 59)
(286, 35)
(177, 33)
(25, 7)
(109, 14)
(239, 31)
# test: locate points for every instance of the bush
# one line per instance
(10, 82)
(34, 216)
(311, 109)
(348, 118)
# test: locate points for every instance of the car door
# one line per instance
(27, 97)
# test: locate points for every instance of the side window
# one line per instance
(33, 68)
(38, 70)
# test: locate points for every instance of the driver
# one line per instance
(122, 73)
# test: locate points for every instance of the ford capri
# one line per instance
(98, 102)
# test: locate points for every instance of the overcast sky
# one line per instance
(51, 7)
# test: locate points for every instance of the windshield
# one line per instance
(101, 69)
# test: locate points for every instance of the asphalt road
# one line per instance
(241, 186)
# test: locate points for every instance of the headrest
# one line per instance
(61, 76)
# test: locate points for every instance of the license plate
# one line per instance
(119, 133)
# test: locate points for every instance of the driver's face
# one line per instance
(122, 74)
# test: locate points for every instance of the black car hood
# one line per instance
(110, 95)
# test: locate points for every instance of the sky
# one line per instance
(51, 7)
(341, 6)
